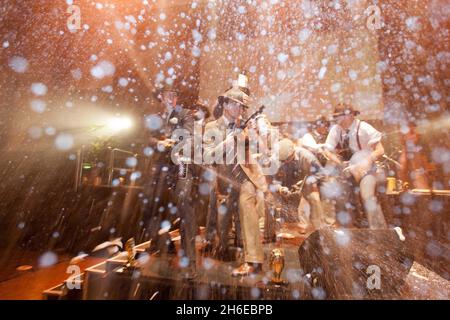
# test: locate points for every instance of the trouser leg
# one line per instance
(237, 221)
(225, 213)
(269, 215)
(249, 217)
(211, 218)
(156, 215)
(373, 210)
(303, 211)
(345, 210)
(311, 193)
(188, 224)
(328, 198)
(316, 210)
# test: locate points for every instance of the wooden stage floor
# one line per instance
(214, 280)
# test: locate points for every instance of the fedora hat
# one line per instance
(321, 121)
(344, 109)
(165, 87)
(235, 95)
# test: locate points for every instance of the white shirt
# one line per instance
(308, 141)
(168, 112)
(368, 136)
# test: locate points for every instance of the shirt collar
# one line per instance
(225, 120)
(169, 109)
(314, 132)
(353, 125)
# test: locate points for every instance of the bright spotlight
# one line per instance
(120, 123)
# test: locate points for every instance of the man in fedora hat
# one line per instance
(240, 187)
(201, 112)
(358, 145)
(175, 181)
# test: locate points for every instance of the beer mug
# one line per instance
(391, 185)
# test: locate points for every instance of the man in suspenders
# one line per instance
(358, 146)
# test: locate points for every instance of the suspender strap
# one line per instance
(357, 136)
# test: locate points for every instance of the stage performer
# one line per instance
(240, 187)
(175, 180)
(300, 170)
(355, 145)
(314, 141)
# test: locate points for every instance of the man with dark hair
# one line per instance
(314, 140)
(174, 180)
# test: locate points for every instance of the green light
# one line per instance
(87, 166)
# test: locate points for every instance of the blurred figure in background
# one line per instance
(415, 166)
(314, 141)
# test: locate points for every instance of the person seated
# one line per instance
(299, 164)
(355, 145)
(314, 140)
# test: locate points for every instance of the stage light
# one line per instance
(119, 123)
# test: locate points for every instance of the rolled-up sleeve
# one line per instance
(372, 135)
(332, 138)
(308, 141)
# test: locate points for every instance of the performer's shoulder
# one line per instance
(367, 126)
(211, 124)
(180, 110)
(334, 128)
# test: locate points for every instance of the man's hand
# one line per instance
(284, 191)
(166, 143)
(252, 125)
(348, 168)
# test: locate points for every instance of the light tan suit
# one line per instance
(251, 186)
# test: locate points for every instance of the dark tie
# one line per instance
(346, 140)
(231, 125)
(346, 153)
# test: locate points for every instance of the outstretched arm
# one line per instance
(378, 151)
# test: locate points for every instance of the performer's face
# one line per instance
(169, 98)
(345, 121)
(200, 114)
(323, 130)
(233, 109)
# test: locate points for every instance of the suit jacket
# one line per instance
(218, 128)
(180, 118)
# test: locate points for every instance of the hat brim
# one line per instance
(158, 92)
(337, 114)
(223, 98)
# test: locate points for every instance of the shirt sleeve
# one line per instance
(308, 141)
(308, 161)
(372, 135)
(332, 138)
